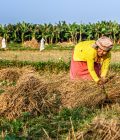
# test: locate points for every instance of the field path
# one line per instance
(46, 55)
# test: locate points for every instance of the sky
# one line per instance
(53, 11)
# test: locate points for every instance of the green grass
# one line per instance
(43, 66)
(116, 48)
(7, 83)
(58, 47)
(47, 66)
(115, 66)
(18, 46)
(54, 125)
(2, 91)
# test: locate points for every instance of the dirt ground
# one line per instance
(46, 55)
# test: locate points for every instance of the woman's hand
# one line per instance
(102, 81)
(105, 80)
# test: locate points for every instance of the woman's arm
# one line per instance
(90, 64)
(105, 65)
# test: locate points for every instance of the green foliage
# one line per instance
(52, 125)
(116, 48)
(1, 91)
(60, 32)
(115, 67)
(4, 83)
(43, 66)
(17, 46)
(7, 83)
(11, 129)
(47, 66)
(58, 47)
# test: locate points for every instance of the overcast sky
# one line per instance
(53, 11)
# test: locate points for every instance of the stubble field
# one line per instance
(43, 105)
(54, 55)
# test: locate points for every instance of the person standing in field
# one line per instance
(91, 59)
(3, 44)
(42, 44)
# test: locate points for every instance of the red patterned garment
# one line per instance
(79, 70)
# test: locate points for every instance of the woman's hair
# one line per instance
(95, 46)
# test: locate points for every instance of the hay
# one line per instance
(78, 93)
(35, 94)
(10, 74)
(66, 44)
(101, 129)
(31, 44)
(86, 93)
(113, 88)
(30, 95)
(4, 99)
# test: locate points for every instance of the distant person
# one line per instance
(91, 60)
(3, 44)
(42, 44)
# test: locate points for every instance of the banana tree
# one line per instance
(115, 31)
(1, 30)
(89, 31)
(50, 33)
(74, 31)
(23, 28)
(81, 31)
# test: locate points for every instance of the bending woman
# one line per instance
(91, 59)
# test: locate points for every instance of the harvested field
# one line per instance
(42, 93)
(54, 55)
(101, 129)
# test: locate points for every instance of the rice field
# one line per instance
(54, 55)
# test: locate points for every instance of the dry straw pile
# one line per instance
(29, 95)
(101, 129)
(35, 95)
(10, 74)
(31, 44)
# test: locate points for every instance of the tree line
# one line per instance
(60, 32)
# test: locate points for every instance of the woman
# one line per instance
(91, 60)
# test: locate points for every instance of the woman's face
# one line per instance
(101, 52)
